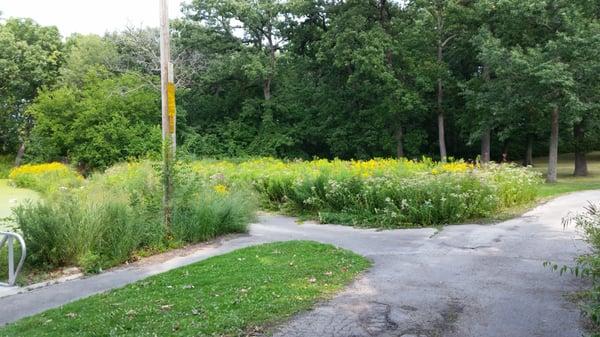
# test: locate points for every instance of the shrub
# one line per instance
(96, 123)
(45, 178)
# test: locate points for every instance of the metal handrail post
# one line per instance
(13, 272)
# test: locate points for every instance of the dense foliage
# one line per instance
(503, 79)
(379, 193)
(111, 217)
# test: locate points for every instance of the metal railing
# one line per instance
(9, 239)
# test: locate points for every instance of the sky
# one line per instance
(89, 16)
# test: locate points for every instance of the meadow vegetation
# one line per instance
(386, 193)
(114, 216)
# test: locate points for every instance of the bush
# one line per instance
(118, 214)
(96, 123)
(45, 178)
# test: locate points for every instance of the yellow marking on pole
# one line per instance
(171, 104)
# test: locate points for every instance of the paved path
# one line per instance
(467, 280)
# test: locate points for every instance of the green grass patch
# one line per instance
(235, 294)
(11, 197)
(566, 181)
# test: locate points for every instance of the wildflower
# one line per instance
(221, 189)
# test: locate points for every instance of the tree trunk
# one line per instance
(20, 154)
(440, 89)
(441, 131)
(581, 169)
(272, 63)
(529, 152)
(505, 151)
(486, 132)
(485, 146)
(399, 146)
(267, 88)
(553, 151)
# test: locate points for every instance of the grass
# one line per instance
(115, 216)
(6, 163)
(11, 197)
(566, 181)
(236, 294)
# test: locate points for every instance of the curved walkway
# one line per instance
(467, 280)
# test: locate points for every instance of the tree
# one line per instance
(262, 24)
(86, 53)
(30, 56)
(535, 77)
(436, 18)
(106, 120)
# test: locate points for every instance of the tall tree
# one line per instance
(30, 56)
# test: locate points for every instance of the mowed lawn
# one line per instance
(242, 293)
(11, 197)
(566, 181)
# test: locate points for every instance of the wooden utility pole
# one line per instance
(168, 113)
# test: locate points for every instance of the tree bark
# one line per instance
(553, 150)
(581, 168)
(441, 130)
(529, 152)
(267, 88)
(272, 64)
(20, 154)
(399, 145)
(440, 94)
(485, 145)
(486, 132)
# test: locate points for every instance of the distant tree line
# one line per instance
(488, 79)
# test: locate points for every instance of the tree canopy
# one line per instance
(488, 79)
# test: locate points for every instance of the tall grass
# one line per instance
(381, 192)
(116, 215)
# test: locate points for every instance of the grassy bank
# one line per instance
(236, 294)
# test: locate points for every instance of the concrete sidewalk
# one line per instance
(467, 280)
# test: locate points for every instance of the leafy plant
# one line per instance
(587, 265)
